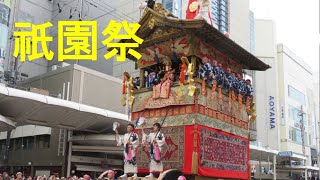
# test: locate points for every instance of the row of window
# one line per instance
(295, 115)
(174, 6)
(28, 143)
(219, 13)
(296, 136)
(296, 95)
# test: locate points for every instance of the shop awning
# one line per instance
(25, 108)
(261, 153)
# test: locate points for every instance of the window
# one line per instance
(3, 145)
(43, 141)
(28, 142)
(296, 95)
(295, 136)
(294, 115)
(17, 143)
(174, 6)
(169, 5)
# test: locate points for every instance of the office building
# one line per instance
(239, 22)
(4, 29)
(220, 14)
(174, 6)
(47, 75)
(252, 45)
(281, 93)
(296, 98)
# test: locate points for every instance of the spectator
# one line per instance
(29, 178)
(181, 178)
(1, 177)
(19, 176)
(63, 178)
(110, 173)
(86, 177)
(6, 176)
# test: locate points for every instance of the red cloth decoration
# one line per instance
(222, 155)
(189, 14)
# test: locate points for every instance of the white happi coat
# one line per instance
(154, 166)
(129, 166)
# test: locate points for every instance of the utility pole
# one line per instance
(302, 128)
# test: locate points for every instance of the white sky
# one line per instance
(297, 25)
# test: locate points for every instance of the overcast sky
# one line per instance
(297, 24)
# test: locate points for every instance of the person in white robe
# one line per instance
(155, 141)
(130, 142)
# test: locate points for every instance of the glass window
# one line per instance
(223, 2)
(168, 4)
(296, 95)
(17, 143)
(3, 144)
(43, 141)
(295, 136)
(294, 115)
(28, 142)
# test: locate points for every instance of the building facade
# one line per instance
(281, 93)
(239, 22)
(265, 86)
(252, 39)
(220, 14)
(37, 12)
(4, 31)
(37, 149)
(296, 97)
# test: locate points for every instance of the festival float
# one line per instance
(191, 82)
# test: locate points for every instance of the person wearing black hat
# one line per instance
(130, 141)
(156, 141)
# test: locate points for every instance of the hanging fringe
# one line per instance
(204, 89)
(213, 90)
(233, 96)
(240, 102)
(248, 101)
(220, 95)
(194, 165)
(229, 100)
(194, 162)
